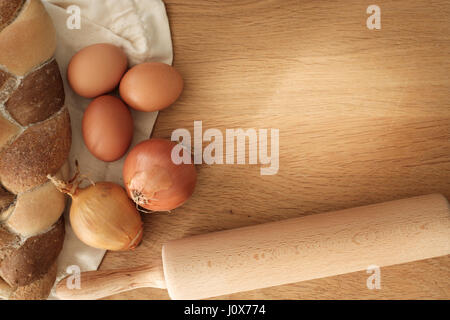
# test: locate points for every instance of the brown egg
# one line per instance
(107, 128)
(151, 86)
(96, 69)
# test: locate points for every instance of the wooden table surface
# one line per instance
(364, 117)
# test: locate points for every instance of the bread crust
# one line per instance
(8, 242)
(34, 258)
(36, 210)
(38, 289)
(5, 290)
(4, 76)
(39, 95)
(6, 200)
(40, 150)
(9, 10)
(29, 40)
(8, 131)
(8, 83)
(35, 139)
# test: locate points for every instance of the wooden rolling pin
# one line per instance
(277, 253)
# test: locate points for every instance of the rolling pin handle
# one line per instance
(100, 284)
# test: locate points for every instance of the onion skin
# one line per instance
(102, 216)
(153, 181)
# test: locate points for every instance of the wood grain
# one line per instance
(364, 117)
(97, 284)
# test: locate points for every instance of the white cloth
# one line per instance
(141, 29)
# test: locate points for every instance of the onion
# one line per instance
(153, 180)
(102, 216)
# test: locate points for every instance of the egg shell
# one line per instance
(96, 69)
(107, 128)
(151, 86)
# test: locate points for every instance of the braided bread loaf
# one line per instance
(35, 138)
